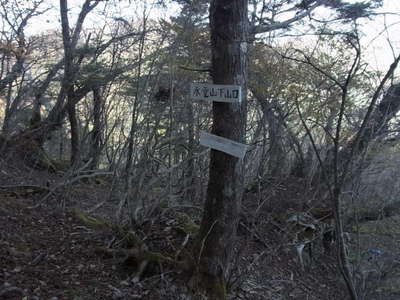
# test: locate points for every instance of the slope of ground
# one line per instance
(48, 252)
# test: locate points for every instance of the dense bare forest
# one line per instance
(193, 149)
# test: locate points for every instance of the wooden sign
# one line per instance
(223, 144)
(216, 92)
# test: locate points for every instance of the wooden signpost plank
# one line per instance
(216, 92)
(219, 93)
(223, 144)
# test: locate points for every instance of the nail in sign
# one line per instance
(223, 144)
(216, 92)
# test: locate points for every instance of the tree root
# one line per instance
(23, 190)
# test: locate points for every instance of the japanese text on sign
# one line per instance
(216, 92)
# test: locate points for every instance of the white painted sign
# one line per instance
(216, 92)
(223, 144)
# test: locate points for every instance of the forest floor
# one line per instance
(48, 252)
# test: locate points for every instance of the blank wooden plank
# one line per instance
(216, 92)
(223, 144)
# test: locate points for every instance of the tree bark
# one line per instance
(375, 127)
(190, 174)
(276, 154)
(70, 70)
(380, 118)
(95, 147)
(215, 244)
(7, 112)
(75, 137)
(18, 66)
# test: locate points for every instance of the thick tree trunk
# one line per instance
(228, 23)
(378, 124)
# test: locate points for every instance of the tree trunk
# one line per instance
(75, 140)
(7, 113)
(215, 244)
(95, 147)
(276, 154)
(68, 81)
(34, 136)
(190, 174)
(376, 127)
(379, 122)
(17, 68)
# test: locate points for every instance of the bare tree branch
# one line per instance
(284, 24)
